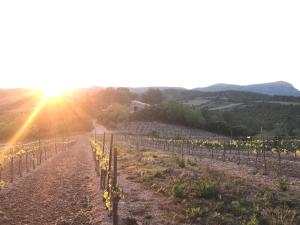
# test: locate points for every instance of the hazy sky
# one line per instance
(145, 43)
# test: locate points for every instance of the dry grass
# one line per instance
(205, 196)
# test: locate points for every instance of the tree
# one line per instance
(153, 96)
(194, 117)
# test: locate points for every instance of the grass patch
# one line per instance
(178, 191)
(205, 189)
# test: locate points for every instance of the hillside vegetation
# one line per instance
(229, 113)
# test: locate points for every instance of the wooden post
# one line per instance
(264, 155)
(109, 164)
(182, 145)
(45, 151)
(103, 146)
(26, 161)
(102, 172)
(224, 152)
(97, 158)
(263, 151)
(20, 165)
(40, 151)
(279, 161)
(248, 152)
(55, 145)
(239, 155)
(33, 159)
(12, 167)
(115, 198)
(1, 172)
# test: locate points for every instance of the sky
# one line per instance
(148, 43)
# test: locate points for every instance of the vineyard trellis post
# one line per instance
(33, 158)
(45, 151)
(1, 168)
(103, 172)
(103, 146)
(12, 166)
(264, 155)
(40, 151)
(109, 164)
(26, 160)
(239, 153)
(20, 165)
(182, 153)
(279, 161)
(55, 145)
(97, 157)
(114, 185)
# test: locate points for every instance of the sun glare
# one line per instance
(53, 92)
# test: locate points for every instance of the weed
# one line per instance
(180, 163)
(193, 213)
(206, 189)
(236, 208)
(281, 184)
(158, 174)
(189, 162)
(253, 220)
(178, 191)
(269, 198)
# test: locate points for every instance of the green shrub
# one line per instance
(236, 208)
(181, 163)
(189, 162)
(206, 189)
(178, 191)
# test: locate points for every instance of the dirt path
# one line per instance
(62, 191)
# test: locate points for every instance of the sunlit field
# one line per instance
(127, 156)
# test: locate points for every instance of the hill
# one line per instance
(140, 90)
(274, 88)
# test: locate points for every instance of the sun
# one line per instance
(53, 92)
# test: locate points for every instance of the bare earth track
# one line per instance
(65, 191)
(61, 191)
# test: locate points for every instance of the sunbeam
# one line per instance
(32, 116)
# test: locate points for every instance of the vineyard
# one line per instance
(166, 164)
(105, 157)
(151, 173)
(162, 130)
(276, 156)
(186, 168)
(15, 160)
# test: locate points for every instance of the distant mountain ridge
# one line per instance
(140, 90)
(273, 88)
